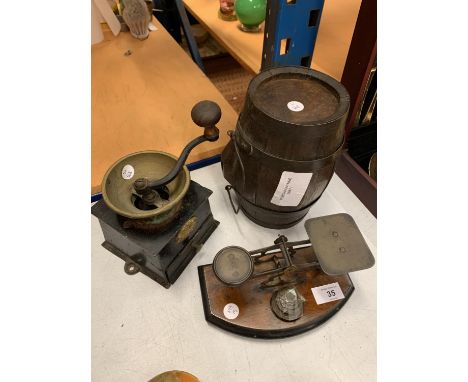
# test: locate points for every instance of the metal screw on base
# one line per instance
(131, 268)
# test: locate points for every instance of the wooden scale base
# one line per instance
(256, 318)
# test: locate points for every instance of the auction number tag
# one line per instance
(327, 293)
(231, 311)
(295, 106)
(128, 171)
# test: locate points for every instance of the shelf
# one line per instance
(331, 48)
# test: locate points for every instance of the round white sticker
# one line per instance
(231, 311)
(128, 171)
(295, 106)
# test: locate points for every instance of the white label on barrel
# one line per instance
(128, 171)
(291, 188)
(231, 311)
(295, 106)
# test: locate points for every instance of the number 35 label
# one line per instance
(327, 293)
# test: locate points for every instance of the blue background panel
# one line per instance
(291, 21)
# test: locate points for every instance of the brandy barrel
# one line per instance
(282, 154)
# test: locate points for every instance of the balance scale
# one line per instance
(287, 288)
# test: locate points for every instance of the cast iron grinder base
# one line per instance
(162, 255)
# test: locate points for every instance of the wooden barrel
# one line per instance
(282, 154)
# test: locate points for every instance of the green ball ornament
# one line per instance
(251, 13)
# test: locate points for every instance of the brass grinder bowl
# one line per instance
(118, 193)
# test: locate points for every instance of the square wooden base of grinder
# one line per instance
(256, 319)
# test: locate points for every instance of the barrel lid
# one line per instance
(299, 95)
(338, 244)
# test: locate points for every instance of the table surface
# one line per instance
(331, 47)
(143, 101)
(140, 329)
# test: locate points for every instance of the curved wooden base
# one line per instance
(256, 318)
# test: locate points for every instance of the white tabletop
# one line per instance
(140, 329)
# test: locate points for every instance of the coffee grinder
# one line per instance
(152, 215)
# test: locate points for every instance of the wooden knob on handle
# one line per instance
(207, 114)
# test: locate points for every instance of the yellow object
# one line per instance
(175, 376)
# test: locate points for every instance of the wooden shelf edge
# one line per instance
(220, 41)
